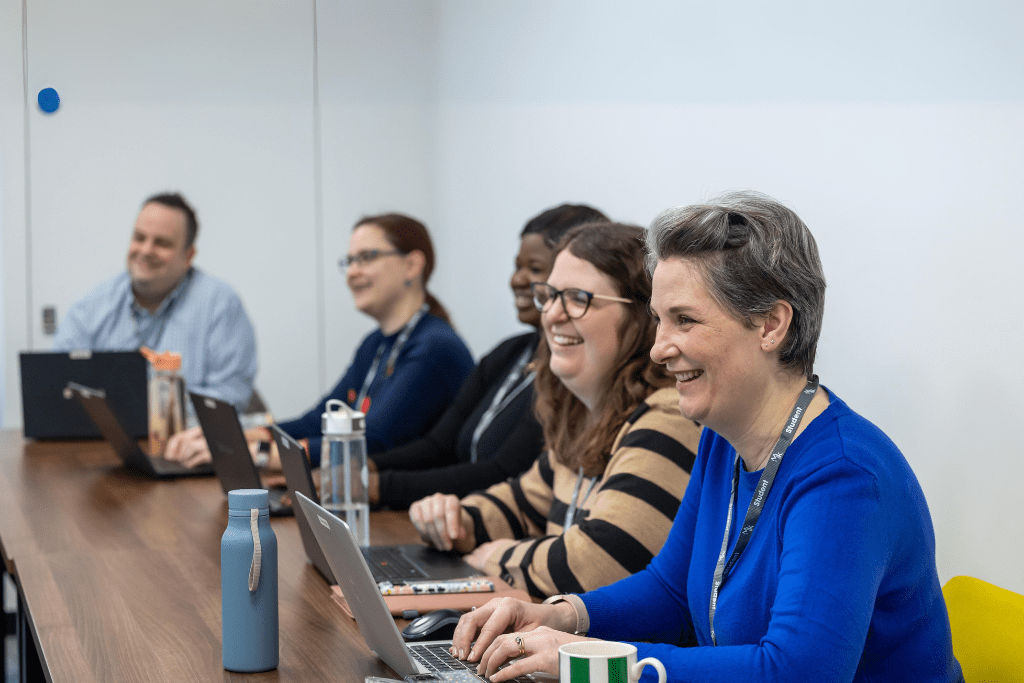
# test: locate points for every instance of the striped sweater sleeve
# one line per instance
(517, 508)
(625, 518)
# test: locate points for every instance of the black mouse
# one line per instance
(437, 625)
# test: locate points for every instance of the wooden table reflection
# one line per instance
(119, 575)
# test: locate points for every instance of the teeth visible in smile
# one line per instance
(562, 340)
(688, 375)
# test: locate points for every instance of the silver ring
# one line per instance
(521, 644)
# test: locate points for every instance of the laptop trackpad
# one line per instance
(438, 564)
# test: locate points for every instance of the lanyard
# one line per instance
(164, 314)
(395, 350)
(570, 514)
(764, 485)
(500, 400)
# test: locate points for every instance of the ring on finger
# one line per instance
(521, 644)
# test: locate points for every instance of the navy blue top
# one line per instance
(838, 582)
(440, 461)
(428, 372)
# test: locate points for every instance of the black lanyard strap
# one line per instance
(764, 486)
(403, 337)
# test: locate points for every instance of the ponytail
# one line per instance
(436, 309)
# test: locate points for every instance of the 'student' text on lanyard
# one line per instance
(764, 486)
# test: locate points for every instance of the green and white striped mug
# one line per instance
(603, 661)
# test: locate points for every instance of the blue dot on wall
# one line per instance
(49, 100)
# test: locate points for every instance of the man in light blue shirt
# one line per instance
(162, 302)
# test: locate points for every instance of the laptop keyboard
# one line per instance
(437, 659)
(388, 563)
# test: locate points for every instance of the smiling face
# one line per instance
(533, 264)
(157, 255)
(583, 351)
(378, 285)
(721, 369)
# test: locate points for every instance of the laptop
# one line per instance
(46, 415)
(370, 612)
(94, 401)
(391, 563)
(230, 451)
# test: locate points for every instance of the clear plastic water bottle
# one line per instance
(166, 398)
(343, 473)
(248, 584)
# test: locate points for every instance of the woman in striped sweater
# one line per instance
(598, 505)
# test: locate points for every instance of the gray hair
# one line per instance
(751, 251)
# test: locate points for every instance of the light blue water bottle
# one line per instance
(248, 584)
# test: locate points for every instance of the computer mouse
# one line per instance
(437, 625)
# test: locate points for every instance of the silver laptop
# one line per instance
(371, 614)
(392, 563)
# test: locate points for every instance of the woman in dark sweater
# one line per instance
(489, 433)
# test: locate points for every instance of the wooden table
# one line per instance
(119, 576)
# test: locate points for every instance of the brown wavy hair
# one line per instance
(408, 235)
(574, 436)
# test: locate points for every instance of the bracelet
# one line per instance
(582, 618)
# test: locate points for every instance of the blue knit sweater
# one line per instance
(838, 582)
(428, 372)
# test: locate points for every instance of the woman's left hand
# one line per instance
(478, 558)
(532, 651)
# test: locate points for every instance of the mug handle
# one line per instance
(639, 666)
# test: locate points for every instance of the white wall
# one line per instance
(894, 130)
(13, 323)
(376, 71)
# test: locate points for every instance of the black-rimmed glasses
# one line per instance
(574, 301)
(365, 257)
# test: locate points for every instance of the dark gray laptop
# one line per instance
(394, 563)
(299, 478)
(46, 415)
(368, 607)
(230, 451)
(127, 448)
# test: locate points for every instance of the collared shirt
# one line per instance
(202, 319)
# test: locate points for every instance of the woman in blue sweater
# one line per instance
(803, 549)
(405, 373)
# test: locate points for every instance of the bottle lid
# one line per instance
(243, 500)
(340, 419)
(168, 360)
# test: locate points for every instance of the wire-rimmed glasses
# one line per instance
(365, 257)
(575, 301)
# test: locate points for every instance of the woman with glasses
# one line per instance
(803, 549)
(405, 373)
(598, 504)
(489, 433)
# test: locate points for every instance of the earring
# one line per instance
(408, 283)
(773, 341)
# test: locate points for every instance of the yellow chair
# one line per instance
(988, 630)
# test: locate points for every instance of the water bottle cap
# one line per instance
(168, 360)
(243, 500)
(340, 419)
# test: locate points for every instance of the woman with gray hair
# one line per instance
(803, 548)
